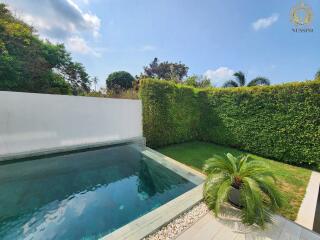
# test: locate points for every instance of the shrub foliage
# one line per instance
(170, 113)
(280, 122)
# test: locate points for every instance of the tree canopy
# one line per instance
(317, 75)
(120, 80)
(166, 70)
(198, 81)
(29, 64)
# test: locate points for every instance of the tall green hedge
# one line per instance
(170, 113)
(281, 122)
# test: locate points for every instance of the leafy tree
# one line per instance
(191, 81)
(59, 85)
(120, 80)
(198, 82)
(317, 76)
(33, 65)
(258, 193)
(240, 81)
(76, 75)
(166, 70)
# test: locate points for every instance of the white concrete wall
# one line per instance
(32, 122)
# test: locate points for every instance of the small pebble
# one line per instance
(180, 224)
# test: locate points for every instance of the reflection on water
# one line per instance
(152, 178)
(82, 195)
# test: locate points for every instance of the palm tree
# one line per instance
(95, 82)
(249, 180)
(240, 81)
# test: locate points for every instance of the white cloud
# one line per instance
(57, 20)
(93, 23)
(265, 22)
(79, 45)
(219, 75)
(86, 1)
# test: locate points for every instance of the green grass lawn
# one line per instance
(292, 180)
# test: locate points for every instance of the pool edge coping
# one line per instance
(181, 169)
(154, 220)
(69, 148)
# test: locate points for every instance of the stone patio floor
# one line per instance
(231, 228)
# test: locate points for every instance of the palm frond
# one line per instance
(211, 188)
(240, 77)
(218, 164)
(268, 186)
(242, 162)
(214, 180)
(258, 81)
(255, 168)
(230, 83)
(233, 161)
(248, 201)
(222, 194)
(253, 210)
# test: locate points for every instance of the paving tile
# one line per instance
(307, 235)
(291, 231)
(205, 228)
(240, 237)
(211, 228)
(272, 231)
(226, 234)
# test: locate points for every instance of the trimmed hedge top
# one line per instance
(281, 122)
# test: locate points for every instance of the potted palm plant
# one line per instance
(248, 184)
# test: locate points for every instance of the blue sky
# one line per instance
(212, 37)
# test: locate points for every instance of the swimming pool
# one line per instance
(82, 195)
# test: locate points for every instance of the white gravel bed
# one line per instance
(180, 224)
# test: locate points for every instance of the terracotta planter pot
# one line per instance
(234, 197)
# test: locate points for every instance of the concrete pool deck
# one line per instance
(229, 227)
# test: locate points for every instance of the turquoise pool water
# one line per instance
(82, 195)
